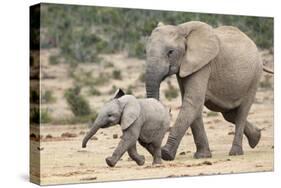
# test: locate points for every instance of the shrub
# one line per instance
(45, 116)
(77, 103)
(137, 50)
(266, 82)
(116, 74)
(212, 114)
(129, 90)
(84, 78)
(54, 60)
(47, 97)
(94, 91)
(81, 45)
(171, 92)
(108, 64)
(101, 79)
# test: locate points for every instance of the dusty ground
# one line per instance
(64, 161)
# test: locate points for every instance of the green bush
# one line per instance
(47, 97)
(77, 103)
(54, 60)
(45, 116)
(137, 50)
(265, 83)
(116, 74)
(81, 46)
(94, 91)
(212, 114)
(101, 79)
(129, 90)
(171, 92)
(108, 64)
(84, 78)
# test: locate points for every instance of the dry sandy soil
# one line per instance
(62, 160)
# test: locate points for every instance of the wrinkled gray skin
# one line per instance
(143, 120)
(216, 67)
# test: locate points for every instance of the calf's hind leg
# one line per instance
(154, 149)
(132, 151)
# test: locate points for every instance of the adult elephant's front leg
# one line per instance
(193, 100)
(200, 139)
(198, 131)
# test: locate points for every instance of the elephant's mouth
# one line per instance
(108, 125)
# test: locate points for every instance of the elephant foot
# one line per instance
(110, 161)
(157, 162)
(84, 145)
(167, 155)
(254, 138)
(202, 154)
(141, 160)
(236, 150)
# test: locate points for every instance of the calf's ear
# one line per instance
(131, 111)
(119, 93)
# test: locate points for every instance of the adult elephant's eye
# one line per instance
(171, 54)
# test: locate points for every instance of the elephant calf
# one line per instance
(143, 120)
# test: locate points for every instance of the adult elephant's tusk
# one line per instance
(265, 69)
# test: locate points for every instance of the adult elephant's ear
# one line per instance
(202, 46)
(131, 111)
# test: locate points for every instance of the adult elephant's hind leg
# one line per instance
(200, 139)
(252, 133)
(240, 123)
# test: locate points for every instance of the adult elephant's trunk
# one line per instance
(152, 89)
(92, 132)
(153, 78)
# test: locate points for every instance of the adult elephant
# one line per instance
(216, 67)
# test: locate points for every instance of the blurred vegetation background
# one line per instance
(81, 33)
(75, 35)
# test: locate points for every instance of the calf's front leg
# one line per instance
(127, 141)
